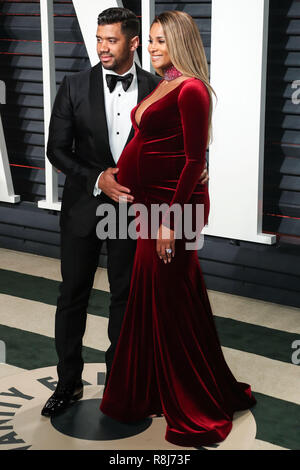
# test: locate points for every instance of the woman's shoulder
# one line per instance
(193, 88)
(192, 84)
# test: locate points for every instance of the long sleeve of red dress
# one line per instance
(193, 104)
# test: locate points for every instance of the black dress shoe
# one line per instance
(61, 399)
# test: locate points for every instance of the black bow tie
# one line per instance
(112, 80)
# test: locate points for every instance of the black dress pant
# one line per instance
(79, 261)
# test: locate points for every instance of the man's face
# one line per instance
(114, 49)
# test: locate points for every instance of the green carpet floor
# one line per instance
(278, 421)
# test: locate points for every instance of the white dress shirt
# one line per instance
(118, 105)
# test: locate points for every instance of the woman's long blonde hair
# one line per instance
(186, 50)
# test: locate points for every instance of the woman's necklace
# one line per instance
(170, 73)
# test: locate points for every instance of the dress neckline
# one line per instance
(159, 99)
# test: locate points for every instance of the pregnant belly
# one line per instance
(153, 178)
(128, 167)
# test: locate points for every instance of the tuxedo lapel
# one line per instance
(143, 83)
(98, 117)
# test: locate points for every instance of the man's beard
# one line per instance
(110, 67)
(117, 63)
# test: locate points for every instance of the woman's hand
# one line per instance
(165, 240)
(204, 176)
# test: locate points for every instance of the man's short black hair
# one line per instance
(130, 24)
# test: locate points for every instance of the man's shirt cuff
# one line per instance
(97, 190)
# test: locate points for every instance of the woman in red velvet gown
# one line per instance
(169, 359)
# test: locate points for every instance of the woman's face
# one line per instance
(158, 48)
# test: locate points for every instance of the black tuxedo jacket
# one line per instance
(78, 143)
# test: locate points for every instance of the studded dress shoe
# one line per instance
(61, 399)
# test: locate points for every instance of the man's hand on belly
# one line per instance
(108, 184)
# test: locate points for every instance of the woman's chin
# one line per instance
(157, 69)
(154, 65)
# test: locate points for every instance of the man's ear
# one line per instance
(134, 43)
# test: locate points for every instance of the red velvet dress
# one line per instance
(168, 358)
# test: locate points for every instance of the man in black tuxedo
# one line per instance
(90, 124)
